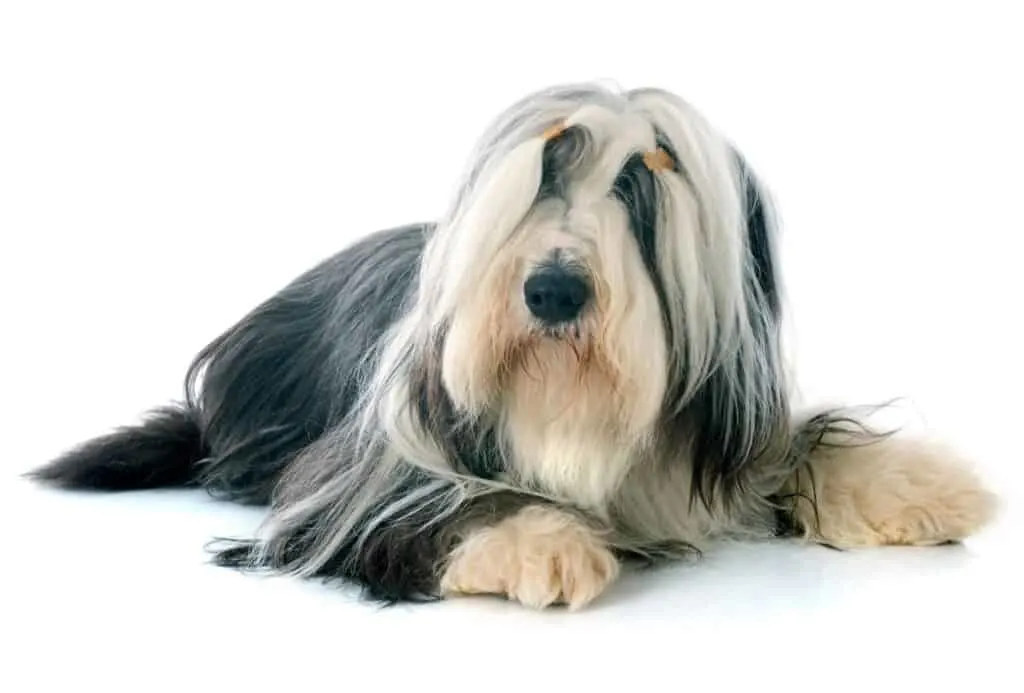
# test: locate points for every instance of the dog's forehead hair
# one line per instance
(624, 178)
(610, 185)
(609, 150)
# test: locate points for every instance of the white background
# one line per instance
(165, 166)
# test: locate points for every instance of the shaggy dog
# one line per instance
(579, 364)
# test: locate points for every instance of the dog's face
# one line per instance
(567, 314)
(600, 284)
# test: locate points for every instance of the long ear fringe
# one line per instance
(694, 315)
(728, 405)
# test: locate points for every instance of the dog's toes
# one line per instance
(539, 557)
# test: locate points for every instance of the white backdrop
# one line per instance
(165, 166)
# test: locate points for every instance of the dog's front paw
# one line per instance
(539, 557)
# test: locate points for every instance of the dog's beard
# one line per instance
(565, 349)
(555, 375)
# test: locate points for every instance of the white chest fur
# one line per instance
(564, 431)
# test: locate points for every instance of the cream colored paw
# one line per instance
(893, 492)
(539, 557)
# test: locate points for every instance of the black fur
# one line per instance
(637, 190)
(293, 367)
(729, 430)
(469, 443)
(759, 237)
(397, 563)
(267, 387)
(160, 451)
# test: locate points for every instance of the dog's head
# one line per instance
(609, 264)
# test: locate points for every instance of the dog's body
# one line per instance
(578, 364)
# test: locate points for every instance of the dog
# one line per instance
(577, 366)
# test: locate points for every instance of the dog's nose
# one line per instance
(556, 296)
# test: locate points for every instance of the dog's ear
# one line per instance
(761, 232)
(734, 420)
(740, 411)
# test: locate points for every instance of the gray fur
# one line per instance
(293, 368)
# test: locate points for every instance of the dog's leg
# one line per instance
(887, 491)
(540, 556)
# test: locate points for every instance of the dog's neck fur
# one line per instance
(567, 427)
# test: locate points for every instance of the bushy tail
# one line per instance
(161, 451)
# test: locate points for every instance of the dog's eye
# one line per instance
(563, 154)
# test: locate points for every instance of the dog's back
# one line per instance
(266, 387)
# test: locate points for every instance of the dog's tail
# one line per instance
(161, 451)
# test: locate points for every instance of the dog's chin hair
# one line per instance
(572, 334)
(527, 352)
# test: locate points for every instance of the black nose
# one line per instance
(556, 296)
